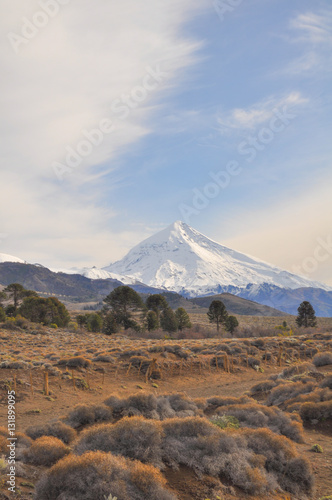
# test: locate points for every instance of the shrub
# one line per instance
(57, 429)
(72, 326)
(316, 448)
(84, 415)
(259, 416)
(23, 441)
(294, 473)
(301, 368)
(287, 391)
(151, 406)
(75, 362)
(142, 404)
(225, 421)
(316, 411)
(327, 382)
(96, 475)
(322, 359)
(217, 401)
(46, 450)
(265, 386)
(197, 443)
(134, 438)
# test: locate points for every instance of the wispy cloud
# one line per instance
(65, 80)
(314, 28)
(244, 119)
(312, 31)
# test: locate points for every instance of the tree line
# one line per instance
(124, 309)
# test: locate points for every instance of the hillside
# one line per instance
(237, 305)
(43, 280)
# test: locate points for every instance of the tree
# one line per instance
(10, 311)
(3, 297)
(152, 321)
(94, 322)
(82, 320)
(217, 313)
(2, 314)
(46, 311)
(231, 323)
(306, 315)
(182, 318)
(157, 303)
(168, 320)
(16, 293)
(123, 301)
(110, 325)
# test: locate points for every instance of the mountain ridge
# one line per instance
(181, 259)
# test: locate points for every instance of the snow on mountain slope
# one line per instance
(94, 273)
(9, 258)
(181, 259)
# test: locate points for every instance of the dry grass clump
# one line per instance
(262, 387)
(46, 450)
(288, 391)
(142, 363)
(141, 404)
(216, 401)
(314, 412)
(155, 407)
(56, 429)
(88, 414)
(75, 362)
(301, 368)
(97, 475)
(134, 438)
(259, 416)
(322, 359)
(103, 358)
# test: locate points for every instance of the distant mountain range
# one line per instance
(78, 288)
(182, 260)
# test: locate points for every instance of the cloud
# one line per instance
(244, 119)
(312, 32)
(65, 80)
(315, 28)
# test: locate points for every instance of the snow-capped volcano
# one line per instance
(181, 259)
(10, 258)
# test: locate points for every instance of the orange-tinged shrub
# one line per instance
(96, 475)
(46, 450)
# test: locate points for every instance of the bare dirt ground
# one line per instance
(195, 379)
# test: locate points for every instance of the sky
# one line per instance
(119, 118)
